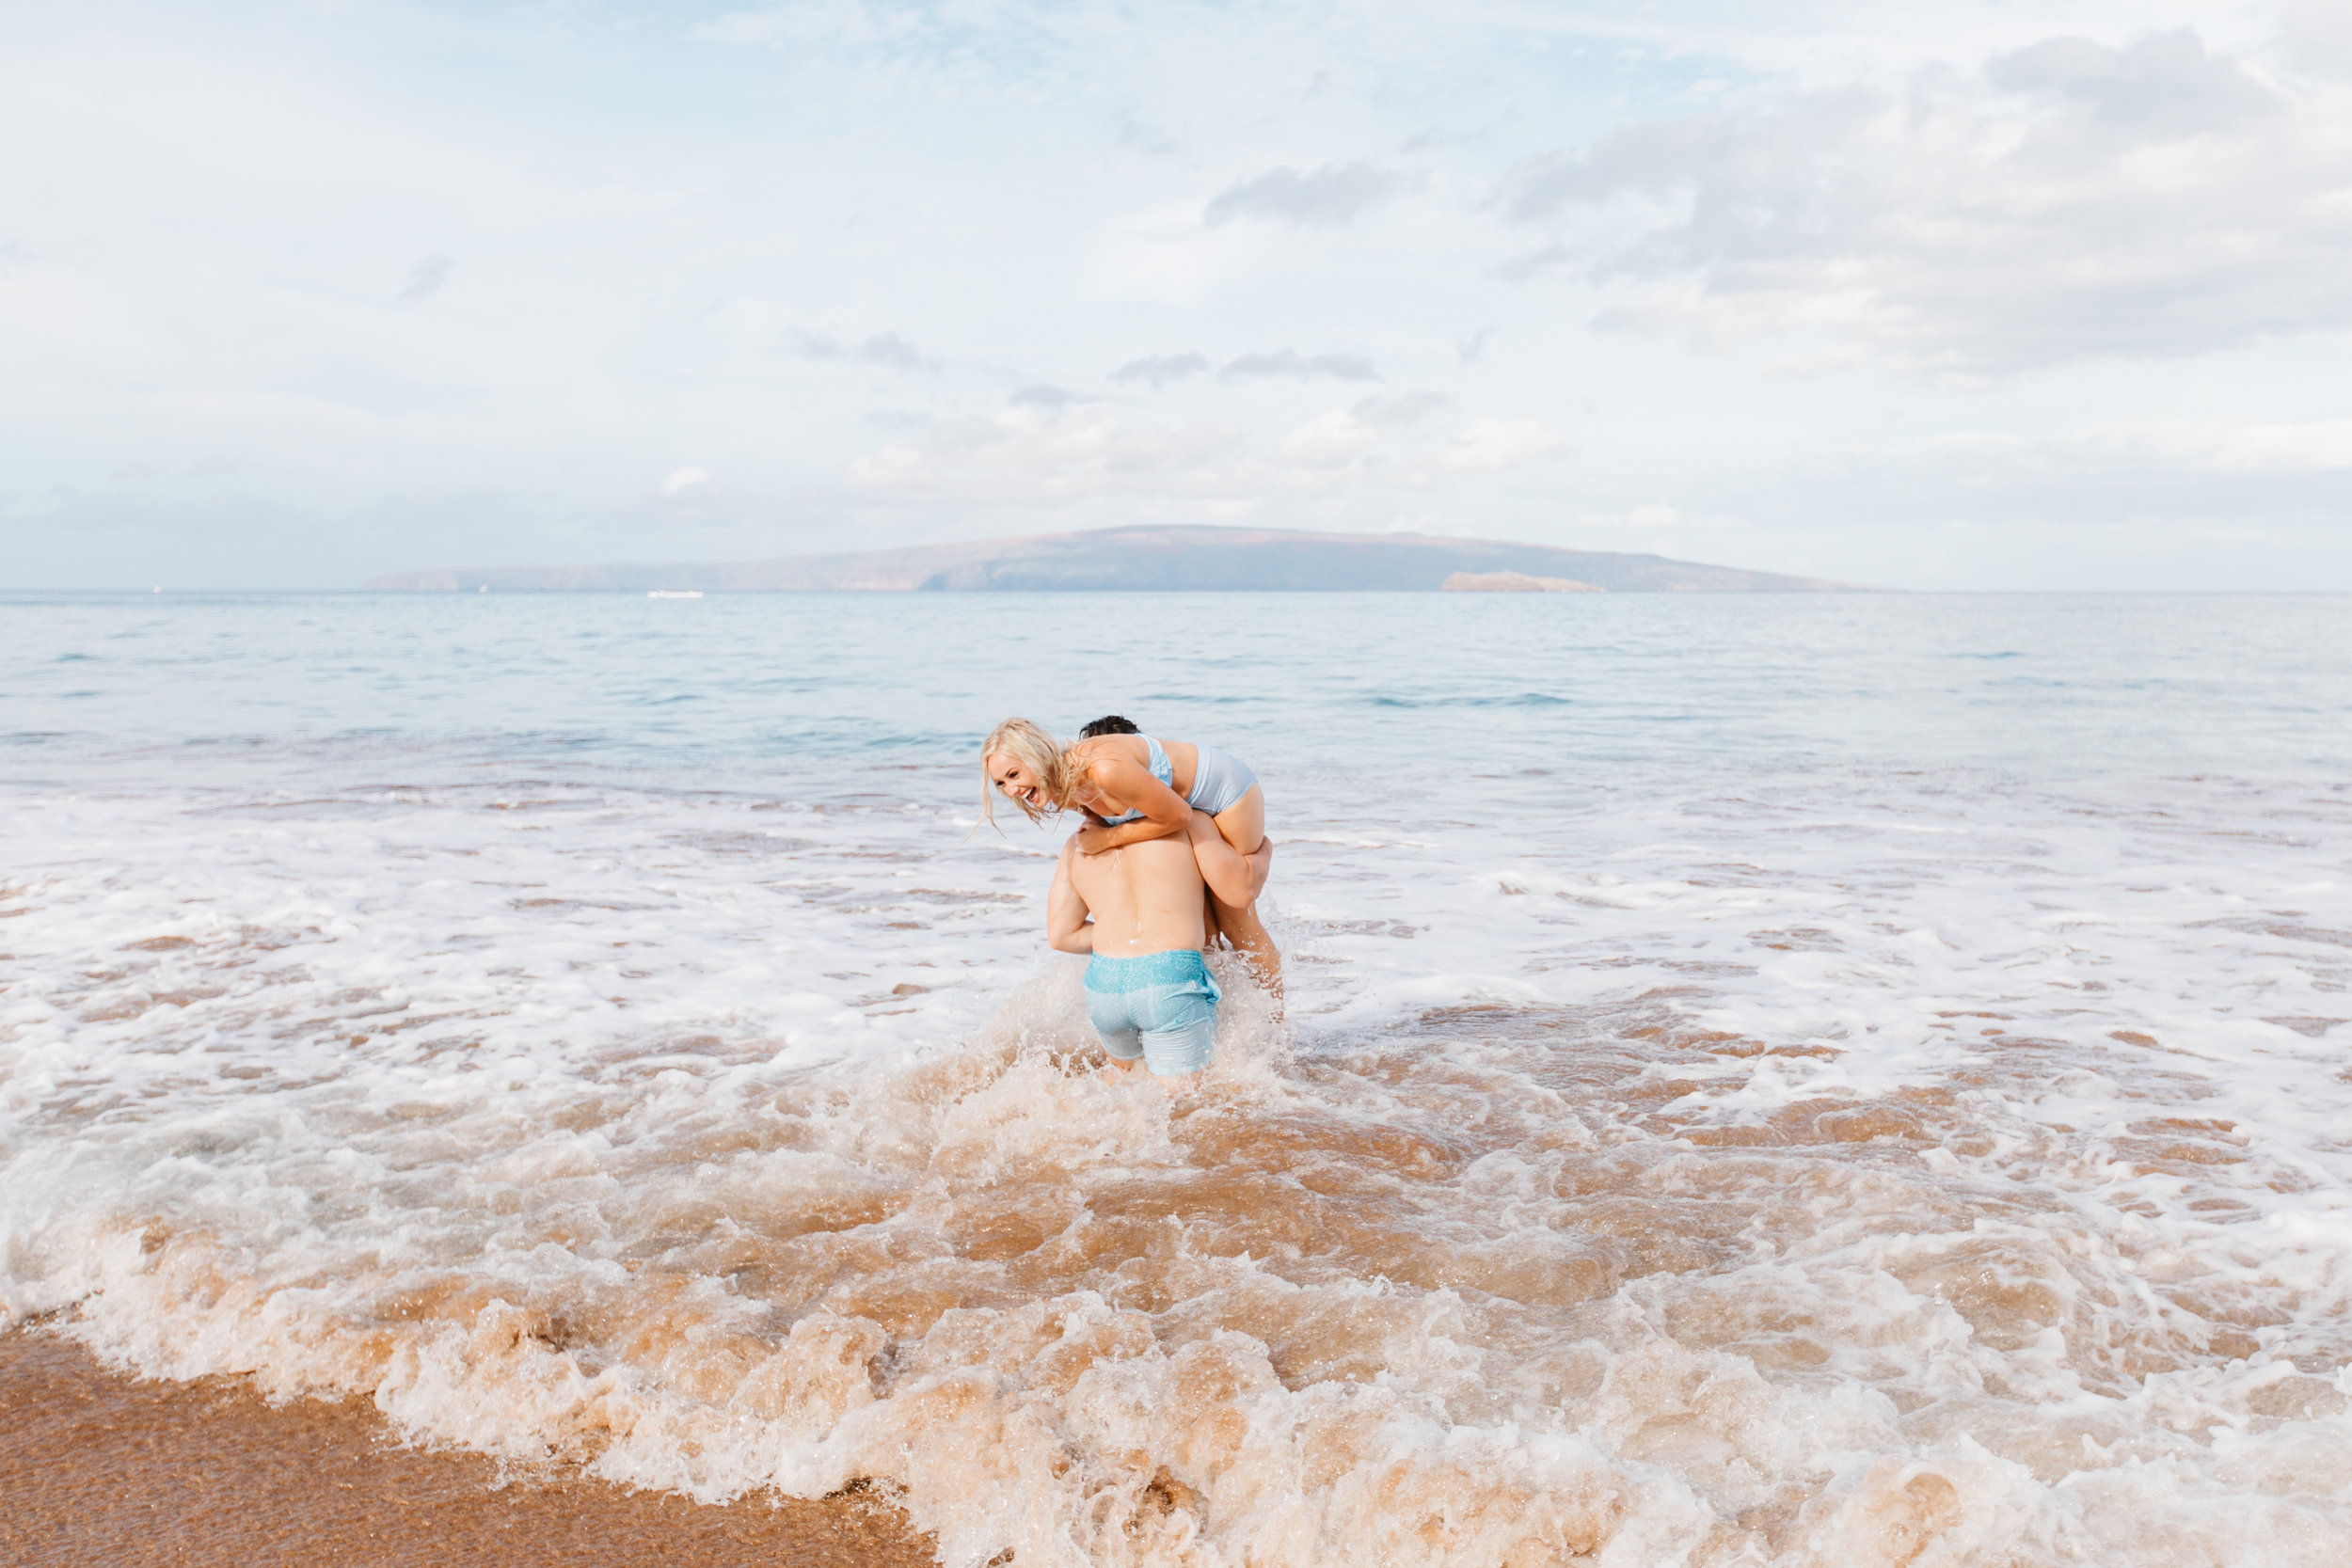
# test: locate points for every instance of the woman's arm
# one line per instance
(1236, 879)
(1124, 786)
(1067, 928)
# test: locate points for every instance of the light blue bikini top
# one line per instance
(1162, 770)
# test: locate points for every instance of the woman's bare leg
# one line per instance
(1248, 933)
(1243, 826)
(1243, 823)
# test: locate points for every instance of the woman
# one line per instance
(1137, 788)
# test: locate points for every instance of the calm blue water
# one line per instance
(1407, 684)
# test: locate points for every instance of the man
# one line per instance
(1148, 988)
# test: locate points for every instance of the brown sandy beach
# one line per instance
(96, 1468)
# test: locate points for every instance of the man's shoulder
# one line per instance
(1171, 855)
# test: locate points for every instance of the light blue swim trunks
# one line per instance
(1161, 1006)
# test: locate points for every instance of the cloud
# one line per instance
(1343, 437)
(1395, 413)
(1487, 445)
(1325, 197)
(2181, 448)
(2069, 201)
(684, 478)
(884, 350)
(1471, 350)
(1043, 456)
(1530, 265)
(1161, 369)
(1431, 137)
(1137, 135)
(1659, 518)
(1044, 395)
(2312, 447)
(1330, 440)
(425, 279)
(2162, 87)
(1299, 367)
(1036, 456)
(835, 27)
(2317, 35)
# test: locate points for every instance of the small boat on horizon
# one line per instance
(673, 593)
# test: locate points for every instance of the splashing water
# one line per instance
(1718, 1130)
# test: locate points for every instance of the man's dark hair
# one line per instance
(1110, 724)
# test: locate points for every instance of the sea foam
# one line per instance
(1679, 1158)
(1839, 1173)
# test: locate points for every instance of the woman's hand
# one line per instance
(1102, 839)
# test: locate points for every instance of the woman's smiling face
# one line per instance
(1018, 783)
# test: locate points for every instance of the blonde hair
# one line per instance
(1035, 749)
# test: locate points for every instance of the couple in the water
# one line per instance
(1173, 855)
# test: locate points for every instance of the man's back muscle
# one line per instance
(1145, 898)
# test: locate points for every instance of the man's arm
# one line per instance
(1066, 925)
(1236, 879)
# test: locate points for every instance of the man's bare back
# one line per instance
(1144, 899)
(1148, 990)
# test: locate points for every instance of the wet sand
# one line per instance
(96, 1468)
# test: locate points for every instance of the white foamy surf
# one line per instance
(1821, 1163)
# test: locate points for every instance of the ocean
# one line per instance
(1765, 1080)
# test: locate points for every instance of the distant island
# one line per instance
(1133, 558)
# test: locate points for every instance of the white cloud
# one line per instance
(1399, 412)
(1055, 454)
(1292, 365)
(884, 350)
(1486, 445)
(2072, 199)
(1657, 517)
(1051, 457)
(1323, 198)
(1138, 136)
(2317, 447)
(1158, 370)
(425, 279)
(2159, 448)
(684, 478)
(1044, 394)
(1331, 440)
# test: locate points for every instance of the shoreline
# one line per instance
(98, 1467)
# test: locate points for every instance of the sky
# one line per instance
(1976, 295)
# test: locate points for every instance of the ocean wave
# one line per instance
(1833, 1168)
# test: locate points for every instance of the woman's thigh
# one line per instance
(1243, 823)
